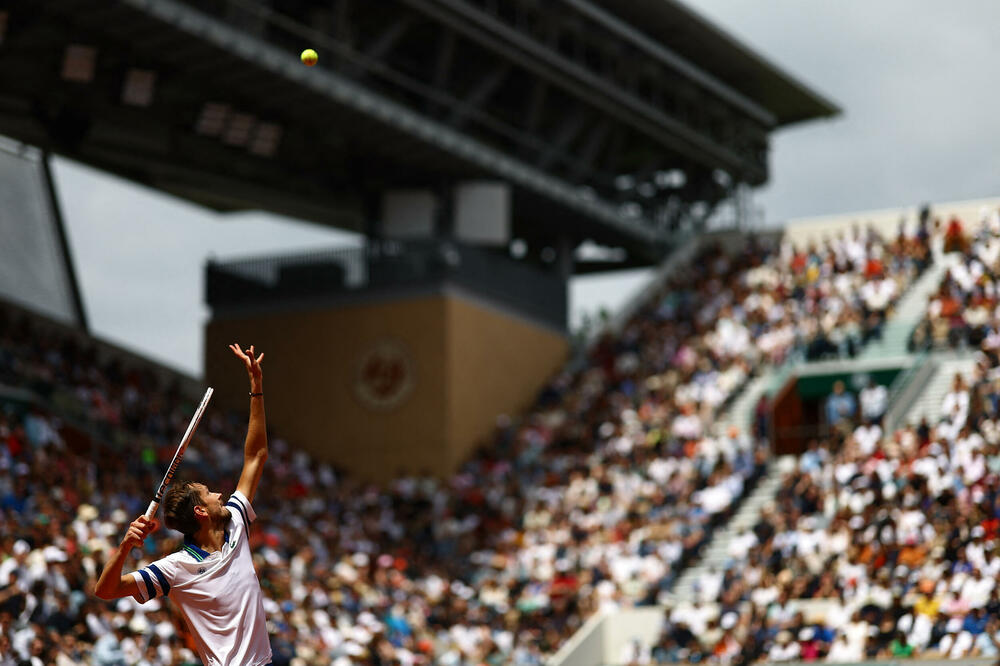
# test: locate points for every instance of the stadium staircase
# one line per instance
(909, 311)
(918, 390)
(893, 344)
(714, 555)
(930, 392)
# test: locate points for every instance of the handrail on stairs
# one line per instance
(905, 388)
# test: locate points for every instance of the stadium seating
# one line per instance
(594, 499)
(878, 545)
(895, 533)
(963, 311)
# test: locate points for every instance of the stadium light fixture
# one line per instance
(237, 133)
(722, 178)
(518, 248)
(630, 210)
(674, 178)
(624, 182)
(139, 87)
(266, 139)
(212, 119)
(79, 63)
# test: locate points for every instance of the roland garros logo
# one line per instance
(384, 376)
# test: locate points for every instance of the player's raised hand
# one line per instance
(249, 358)
(140, 528)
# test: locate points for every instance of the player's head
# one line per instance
(189, 505)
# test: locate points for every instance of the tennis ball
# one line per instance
(309, 57)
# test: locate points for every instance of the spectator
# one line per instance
(840, 406)
(899, 648)
(956, 401)
(874, 399)
(954, 235)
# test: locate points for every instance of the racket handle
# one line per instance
(151, 511)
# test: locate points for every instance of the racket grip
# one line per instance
(151, 511)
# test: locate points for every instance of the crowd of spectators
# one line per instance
(876, 546)
(840, 292)
(594, 499)
(965, 309)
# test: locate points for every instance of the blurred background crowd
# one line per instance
(594, 499)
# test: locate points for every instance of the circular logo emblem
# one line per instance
(384, 376)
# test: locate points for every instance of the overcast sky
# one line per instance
(917, 79)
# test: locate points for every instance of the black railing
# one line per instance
(380, 265)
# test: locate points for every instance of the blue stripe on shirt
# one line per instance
(239, 508)
(164, 585)
(242, 501)
(149, 583)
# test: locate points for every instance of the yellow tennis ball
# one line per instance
(309, 57)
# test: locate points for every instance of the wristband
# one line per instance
(257, 395)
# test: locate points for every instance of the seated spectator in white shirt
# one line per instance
(867, 436)
(841, 652)
(687, 425)
(784, 648)
(958, 396)
(874, 400)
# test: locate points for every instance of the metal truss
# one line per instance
(563, 85)
(602, 132)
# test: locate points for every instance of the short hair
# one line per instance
(178, 508)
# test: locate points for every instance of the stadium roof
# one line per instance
(688, 34)
(603, 132)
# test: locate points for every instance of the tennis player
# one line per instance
(211, 579)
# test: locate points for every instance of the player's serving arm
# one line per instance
(211, 579)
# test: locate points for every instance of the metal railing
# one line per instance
(535, 292)
(906, 387)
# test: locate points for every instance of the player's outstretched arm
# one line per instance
(112, 584)
(255, 448)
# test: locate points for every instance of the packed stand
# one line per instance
(875, 547)
(587, 503)
(963, 312)
(837, 295)
(594, 499)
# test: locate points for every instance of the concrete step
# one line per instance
(740, 412)
(929, 402)
(716, 553)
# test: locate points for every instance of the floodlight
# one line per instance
(212, 119)
(79, 63)
(138, 87)
(266, 139)
(238, 131)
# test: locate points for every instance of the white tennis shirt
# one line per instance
(217, 593)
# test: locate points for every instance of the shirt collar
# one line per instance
(197, 553)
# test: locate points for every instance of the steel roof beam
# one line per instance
(570, 129)
(675, 62)
(595, 141)
(528, 53)
(482, 92)
(342, 91)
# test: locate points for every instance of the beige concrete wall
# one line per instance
(462, 364)
(886, 221)
(311, 372)
(496, 365)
